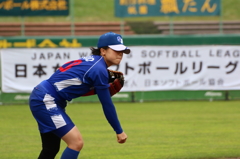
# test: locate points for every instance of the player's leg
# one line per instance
(74, 143)
(49, 116)
(50, 142)
(50, 145)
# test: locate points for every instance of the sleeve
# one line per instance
(98, 77)
(109, 109)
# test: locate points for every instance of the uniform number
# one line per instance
(69, 65)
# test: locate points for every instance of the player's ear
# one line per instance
(103, 51)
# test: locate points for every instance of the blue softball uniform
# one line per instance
(73, 79)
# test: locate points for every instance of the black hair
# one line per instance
(97, 51)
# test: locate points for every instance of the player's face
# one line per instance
(111, 56)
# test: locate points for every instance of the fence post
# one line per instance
(72, 17)
(122, 27)
(132, 97)
(171, 25)
(226, 95)
(221, 19)
(22, 26)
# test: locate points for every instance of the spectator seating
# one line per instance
(198, 27)
(63, 29)
(98, 28)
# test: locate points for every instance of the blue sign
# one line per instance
(138, 8)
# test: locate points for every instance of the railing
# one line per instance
(198, 27)
(63, 29)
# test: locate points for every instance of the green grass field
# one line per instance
(156, 130)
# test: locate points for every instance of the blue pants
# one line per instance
(49, 110)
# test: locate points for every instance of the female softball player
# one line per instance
(74, 79)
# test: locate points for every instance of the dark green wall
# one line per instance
(137, 40)
(14, 98)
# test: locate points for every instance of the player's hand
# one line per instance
(121, 138)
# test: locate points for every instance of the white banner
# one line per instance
(147, 68)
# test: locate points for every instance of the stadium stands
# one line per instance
(63, 29)
(208, 27)
(98, 28)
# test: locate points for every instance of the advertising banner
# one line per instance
(146, 68)
(137, 8)
(34, 7)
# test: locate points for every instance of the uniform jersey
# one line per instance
(76, 78)
(72, 80)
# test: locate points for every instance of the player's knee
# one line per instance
(78, 145)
